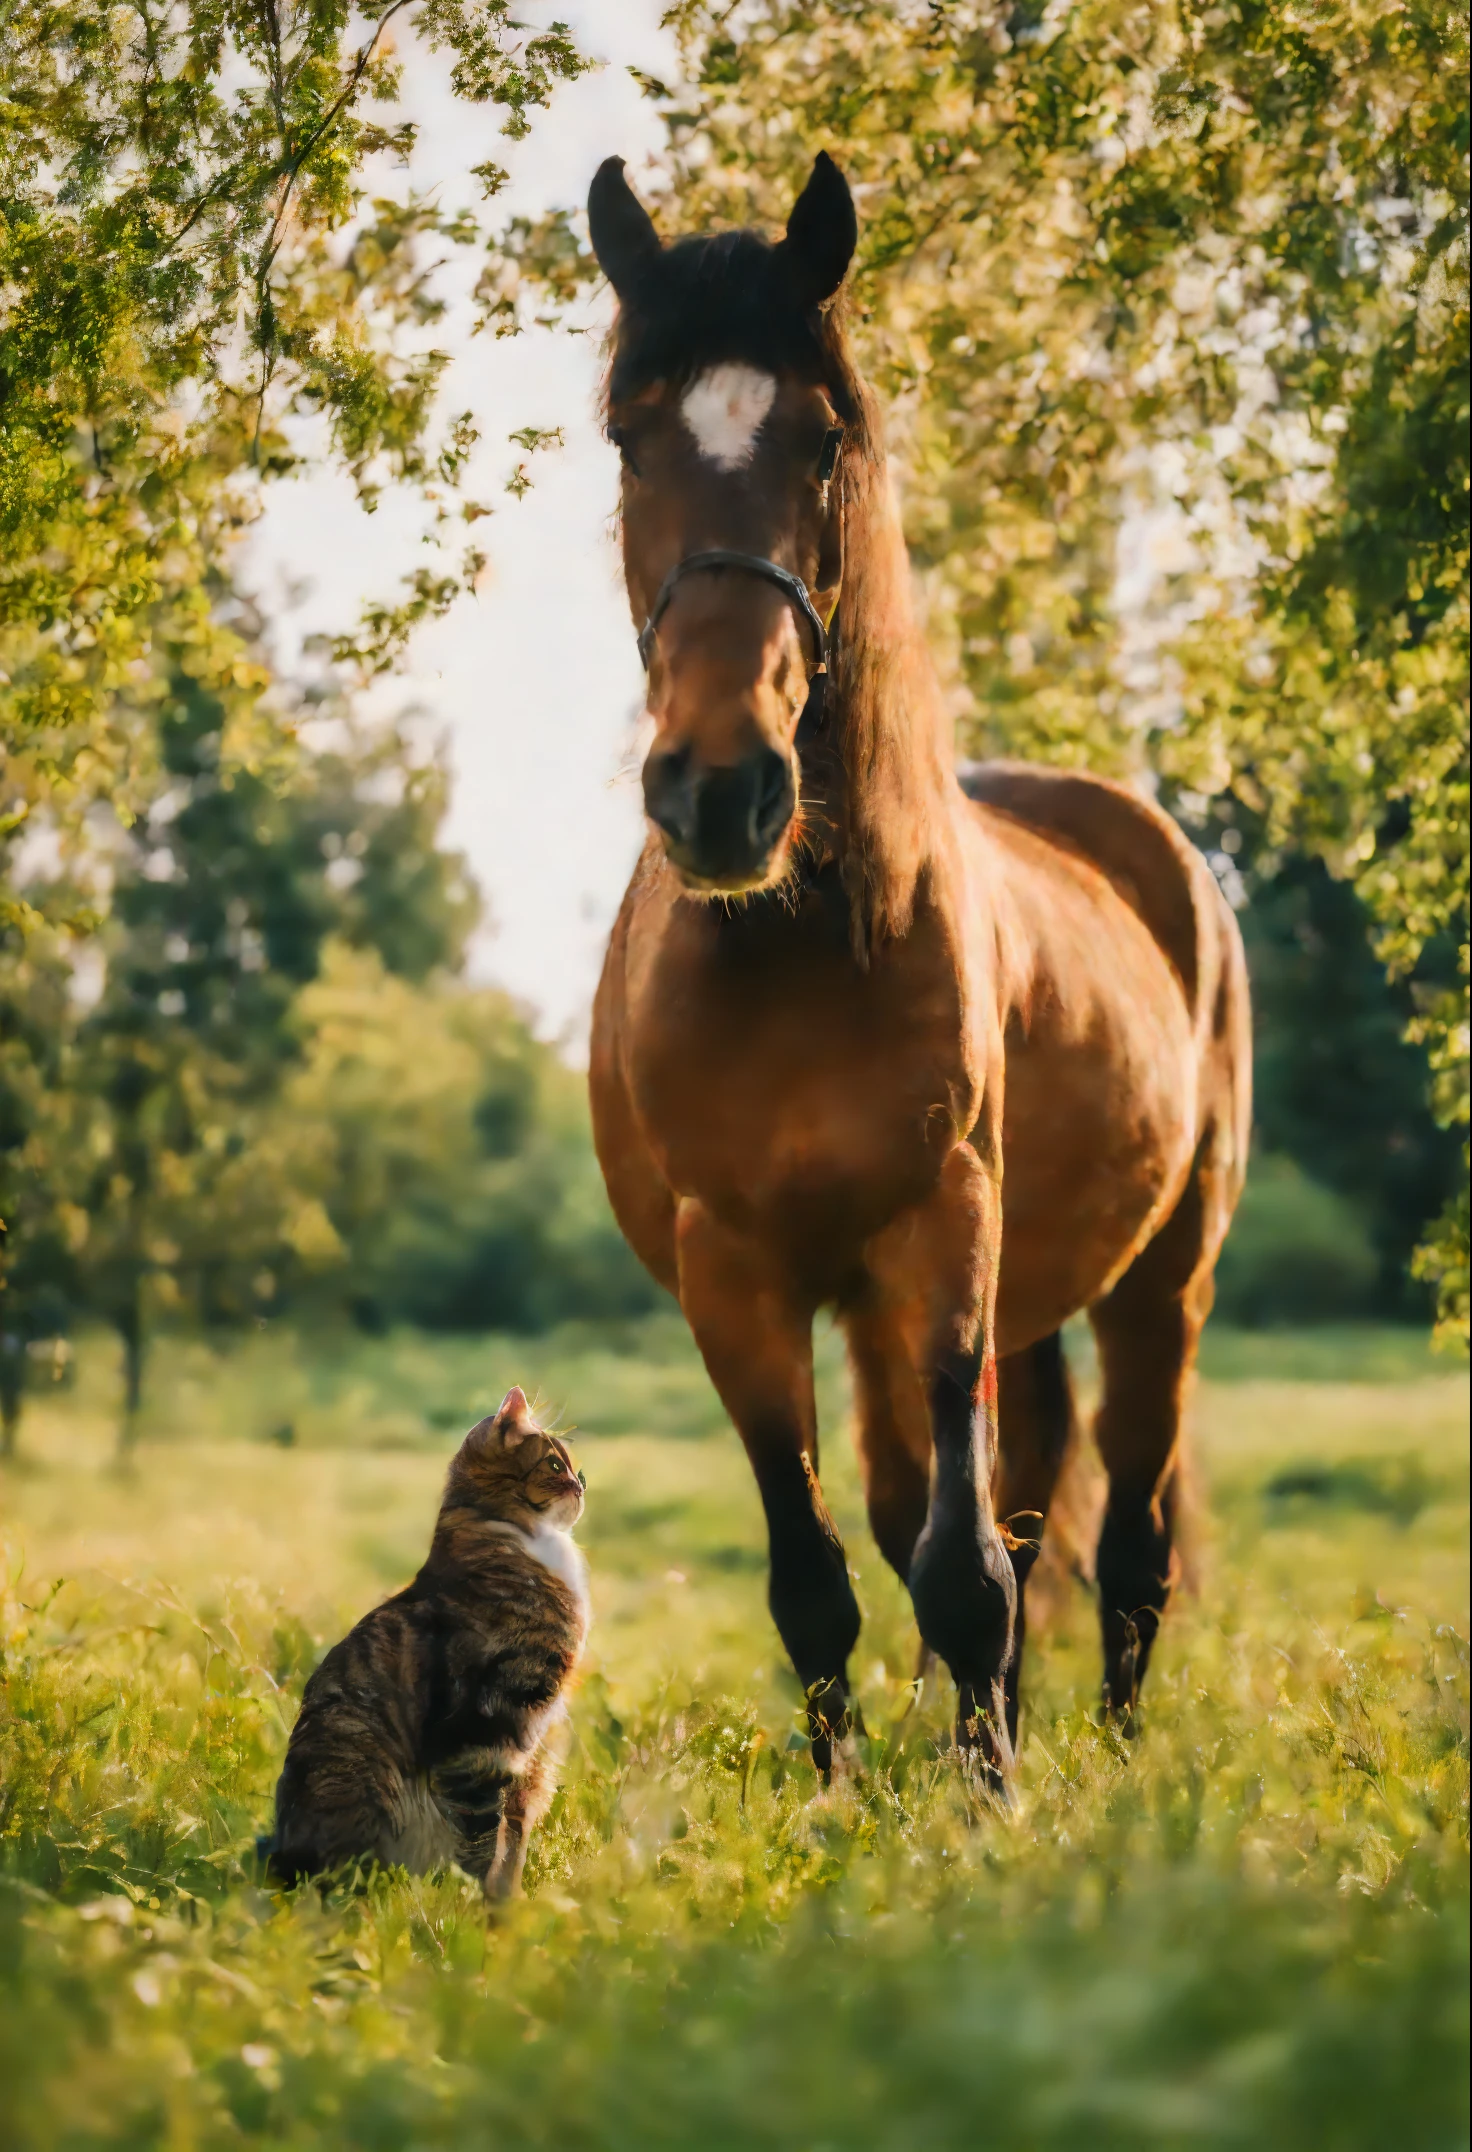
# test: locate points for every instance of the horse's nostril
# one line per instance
(774, 796)
(669, 796)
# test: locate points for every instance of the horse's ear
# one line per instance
(822, 233)
(621, 229)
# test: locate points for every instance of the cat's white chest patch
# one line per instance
(725, 410)
(560, 1553)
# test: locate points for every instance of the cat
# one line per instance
(422, 1736)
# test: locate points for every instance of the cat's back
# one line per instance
(378, 1677)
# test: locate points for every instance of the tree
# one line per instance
(1337, 1085)
(452, 1156)
(1170, 307)
(225, 889)
(188, 262)
(39, 1149)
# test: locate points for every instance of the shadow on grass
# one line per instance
(1395, 1487)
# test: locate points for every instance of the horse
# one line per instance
(952, 1052)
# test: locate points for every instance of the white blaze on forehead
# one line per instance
(725, 411)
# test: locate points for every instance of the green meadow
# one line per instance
(1248, 1929)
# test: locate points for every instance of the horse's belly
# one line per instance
(1096, 1148)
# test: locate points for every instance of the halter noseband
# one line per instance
(792, 587)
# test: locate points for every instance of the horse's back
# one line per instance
(1146, 858)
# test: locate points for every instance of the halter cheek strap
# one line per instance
(792, 587)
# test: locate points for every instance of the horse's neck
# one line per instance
(887, 721)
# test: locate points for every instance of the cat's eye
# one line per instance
(583, 1480)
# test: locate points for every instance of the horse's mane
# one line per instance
(887, 709)
(724, 298)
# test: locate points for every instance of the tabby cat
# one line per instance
(421, 1737)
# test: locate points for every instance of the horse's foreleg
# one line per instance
(756, 1339)
(892, 1428)
(961, 1578)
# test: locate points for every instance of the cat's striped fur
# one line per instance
(422, 1735)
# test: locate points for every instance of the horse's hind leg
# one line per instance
(756, 1340)
(1036, 1423)
(1147, 1330)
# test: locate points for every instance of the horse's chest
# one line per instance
(805, 1094)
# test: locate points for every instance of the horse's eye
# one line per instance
(828, 454)
(620, 441)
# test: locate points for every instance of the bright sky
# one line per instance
(535, 680)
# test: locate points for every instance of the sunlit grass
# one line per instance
(1248, 1931)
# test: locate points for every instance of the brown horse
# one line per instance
(848, 987)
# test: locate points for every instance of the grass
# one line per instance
(1250, 1930)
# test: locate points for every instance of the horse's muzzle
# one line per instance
(722, 826)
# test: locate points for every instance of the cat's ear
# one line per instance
(513, 1418)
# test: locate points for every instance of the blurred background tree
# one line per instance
(1169, 308)
(39, 1148)
(452, 1155)
(268, 1090)
(191, 262)
(224, 888)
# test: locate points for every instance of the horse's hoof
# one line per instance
(988, 1779)
(830, 1726)
(984, 1749)
(845, 1765)
(1125, 1722)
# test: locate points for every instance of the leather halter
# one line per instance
(792, 587)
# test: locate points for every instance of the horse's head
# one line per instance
(727, 400)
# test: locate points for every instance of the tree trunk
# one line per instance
(131, 1331)
(12, 1398)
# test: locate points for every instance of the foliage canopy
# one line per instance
(1170, 308)
(188, 265)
